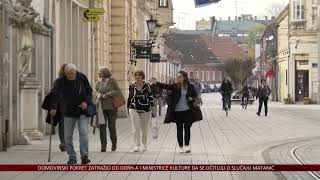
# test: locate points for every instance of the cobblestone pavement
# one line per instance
(242, 137)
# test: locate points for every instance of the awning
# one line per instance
(270, 73)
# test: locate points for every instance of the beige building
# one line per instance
(203, 25)
(283, 53)
(162, 10)
(298, 54)
(87, 45)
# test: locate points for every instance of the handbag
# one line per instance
(197, 114)
(118, 101)
(91, 108)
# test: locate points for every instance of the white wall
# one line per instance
(38, 5)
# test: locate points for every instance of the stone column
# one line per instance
(119, 46)
(318, 99)
(29, 108)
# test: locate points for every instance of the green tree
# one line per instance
(255, 34)
(239, 70)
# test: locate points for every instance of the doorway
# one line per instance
(302, 84)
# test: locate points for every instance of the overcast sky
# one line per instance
(185, 14)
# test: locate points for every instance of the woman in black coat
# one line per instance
(181, 108)
(58, 118)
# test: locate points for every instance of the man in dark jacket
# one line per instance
(263, 94)
(245, 91)
(76, 93)
(226, 90)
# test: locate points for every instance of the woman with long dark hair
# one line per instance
(180, 110)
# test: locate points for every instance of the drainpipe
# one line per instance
(52, 29)
(3, 52)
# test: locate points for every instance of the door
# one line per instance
(302, 84)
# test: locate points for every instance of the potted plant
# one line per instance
(288, 100)
(307, 100)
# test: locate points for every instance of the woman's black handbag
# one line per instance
(197, 114)
(91, 109)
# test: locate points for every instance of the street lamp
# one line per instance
(151, 23)
(156, 31)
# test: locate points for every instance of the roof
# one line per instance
(283, 14)
(191, 31)
(234, 27)
(192, 47)
(224, 48)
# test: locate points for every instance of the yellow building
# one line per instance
(283, 53)
(298, 51)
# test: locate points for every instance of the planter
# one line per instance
(288, 101)
(307, 100)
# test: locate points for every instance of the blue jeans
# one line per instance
(83, 126)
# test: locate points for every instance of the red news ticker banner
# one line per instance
(160, 167)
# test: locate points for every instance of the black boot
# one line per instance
(85, 160)
(72, 161)
(62, 147)
(114, 147)
(103, 148)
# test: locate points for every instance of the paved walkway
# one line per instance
(240, 138)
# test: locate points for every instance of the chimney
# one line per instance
(239, 18)
(255, 18)
(266, 18)
(220, 19)
(235, 18)
(229, 18)
(212, 22)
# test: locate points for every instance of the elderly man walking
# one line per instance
(76, 93)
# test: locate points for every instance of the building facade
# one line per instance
(299, 55)
(268, 58)
(86, 44)
(197, 59)
(283, 54)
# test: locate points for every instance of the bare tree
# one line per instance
(275, 8)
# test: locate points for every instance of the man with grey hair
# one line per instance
(76, 93)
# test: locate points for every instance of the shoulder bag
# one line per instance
(117, 101)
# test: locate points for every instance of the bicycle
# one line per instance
(227, 111)
(226, 102)
(245, 102)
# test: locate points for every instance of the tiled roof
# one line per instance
(231, 27)
(193, 48)
(223, 47)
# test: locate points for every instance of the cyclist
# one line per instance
(245, 93)
(226, 90)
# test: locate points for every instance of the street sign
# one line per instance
(143, 52)
(92, 18)
(155, 58)
(92, 14)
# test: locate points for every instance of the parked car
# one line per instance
(206, 89)
(236, 95)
